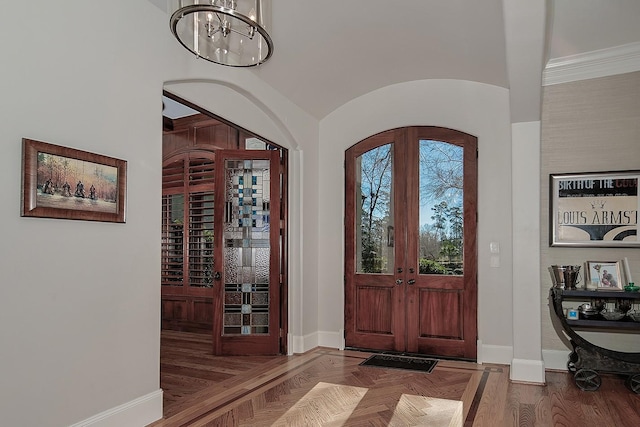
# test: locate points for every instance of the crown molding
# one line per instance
(599, 63)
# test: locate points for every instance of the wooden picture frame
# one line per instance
(66, 183)
(604, 276)
(594, 209)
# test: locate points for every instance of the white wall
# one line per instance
(477, 109)
(79, 303)
(79, 310)
(527, 346)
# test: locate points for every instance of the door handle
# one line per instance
(411, 281)
(399, 282)
(217, 276)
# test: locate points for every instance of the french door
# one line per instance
(410, 242)
(222, 248)
(247, 285)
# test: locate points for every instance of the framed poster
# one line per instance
(65, 183)
(596, 209)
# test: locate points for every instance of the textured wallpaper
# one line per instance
(587, 126)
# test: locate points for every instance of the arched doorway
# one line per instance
(224, 234)
(410, 242)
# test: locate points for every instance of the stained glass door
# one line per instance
(246, 300)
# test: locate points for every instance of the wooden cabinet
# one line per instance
(197, 132)
(188, 147)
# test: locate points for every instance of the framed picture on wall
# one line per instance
(62, 182)
(594, 209)
(604, 275)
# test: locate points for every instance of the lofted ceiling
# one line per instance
(331, 51)
(335, 50)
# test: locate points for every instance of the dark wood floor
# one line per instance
(327, 387)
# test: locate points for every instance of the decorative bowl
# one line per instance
(588, 312)
(590, 316)
(631, 288)
(613, 314)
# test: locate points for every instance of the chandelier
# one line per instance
(227, 32)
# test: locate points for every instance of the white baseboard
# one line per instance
(301, 344)
(290, 345)
(528, 371)
(331, 339)
(555, 359)
(135, 413)
(500, 354)
(343, 344)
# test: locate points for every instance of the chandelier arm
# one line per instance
(218, 16)
(249, 36)
(217, 30)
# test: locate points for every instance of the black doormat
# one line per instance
(420, 364)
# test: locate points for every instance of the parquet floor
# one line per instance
(327, 387)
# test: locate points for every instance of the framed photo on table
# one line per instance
(604, 276)
(594, 209)
(66, 183)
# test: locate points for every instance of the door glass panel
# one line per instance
(441, 213)
(172, 251)
(246, 247)
(375, 238)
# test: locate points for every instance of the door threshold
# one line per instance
(405, 353)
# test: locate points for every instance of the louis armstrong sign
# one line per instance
(595, 209)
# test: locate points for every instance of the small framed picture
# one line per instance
(66, 183)
(604, 275)
(572, 314)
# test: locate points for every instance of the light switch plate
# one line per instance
(494, 261)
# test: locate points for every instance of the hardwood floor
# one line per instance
(327, 387)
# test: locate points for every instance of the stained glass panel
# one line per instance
(246, 247)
